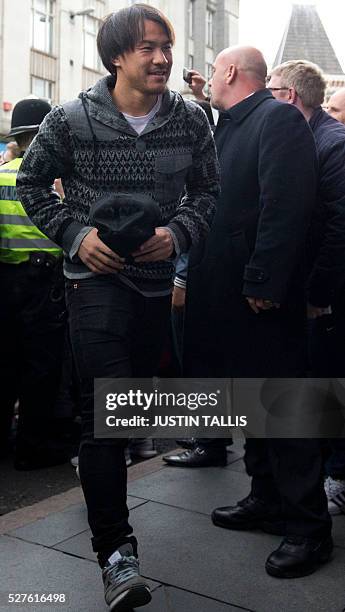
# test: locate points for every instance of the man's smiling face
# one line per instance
(147, 68)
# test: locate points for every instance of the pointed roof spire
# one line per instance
(306, 38)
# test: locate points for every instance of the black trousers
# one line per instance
(33, 323)
(115, 333)
(327, 359)
(177, 321)
(288, 475)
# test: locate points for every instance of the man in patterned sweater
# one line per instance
(128, 134)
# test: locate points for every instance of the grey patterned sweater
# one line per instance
(174, 156)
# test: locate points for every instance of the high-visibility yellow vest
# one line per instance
(18, 235)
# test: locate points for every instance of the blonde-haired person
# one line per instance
(302, 84)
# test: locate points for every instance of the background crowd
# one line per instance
(252, 230)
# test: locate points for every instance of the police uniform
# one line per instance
(33, 315)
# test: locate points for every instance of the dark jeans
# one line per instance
(115, 333)
(287, 475)
(33, 323)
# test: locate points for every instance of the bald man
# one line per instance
(336, 105)
(245, 308)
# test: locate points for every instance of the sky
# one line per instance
(262, 24)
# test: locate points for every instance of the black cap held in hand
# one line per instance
(125, 221)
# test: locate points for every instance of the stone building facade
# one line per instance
(48, 47)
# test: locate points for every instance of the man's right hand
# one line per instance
(258, 304)
(97, 256)
(197, 85)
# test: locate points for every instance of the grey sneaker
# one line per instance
(124, 588)
(335, 491)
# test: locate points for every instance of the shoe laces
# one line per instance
(333, 487)
(248, 501)
(124, 569)
(328, 486)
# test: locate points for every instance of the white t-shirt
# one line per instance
(140, 123)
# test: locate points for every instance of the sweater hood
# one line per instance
(102, 107)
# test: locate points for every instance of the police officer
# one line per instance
(32, 312)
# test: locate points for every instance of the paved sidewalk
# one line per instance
(193, 566)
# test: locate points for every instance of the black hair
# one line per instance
(123, 30)
(24, 139)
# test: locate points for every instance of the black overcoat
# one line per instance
(256, 246)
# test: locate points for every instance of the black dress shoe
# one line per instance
(250, 513)
(197, 457)
(298, 556)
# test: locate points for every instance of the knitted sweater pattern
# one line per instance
(173, 161)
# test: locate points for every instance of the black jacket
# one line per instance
(328, 230)
(256, 246)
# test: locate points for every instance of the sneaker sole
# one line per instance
(336, 508)
(135, 597)
(335, 511)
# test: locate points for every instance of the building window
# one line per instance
(99, 6)
(209, 28)
(42, 88)
(190, 62)
(42, 16)
(191, 18)
(91, 25)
